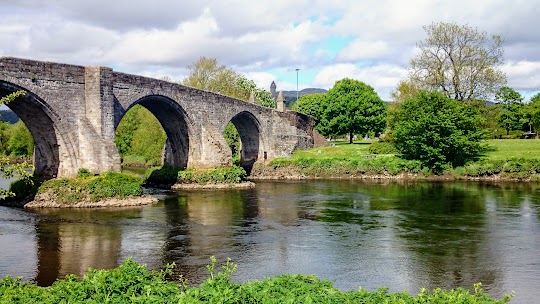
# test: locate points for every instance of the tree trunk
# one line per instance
(350, 138)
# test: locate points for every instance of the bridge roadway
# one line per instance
(73, 112)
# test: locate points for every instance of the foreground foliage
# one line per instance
(87, 187)
(134, 283)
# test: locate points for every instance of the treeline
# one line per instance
(15, 140)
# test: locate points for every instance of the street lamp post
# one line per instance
(297, 69)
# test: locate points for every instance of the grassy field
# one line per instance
(506, 158)
(513, 148)
(499, 149)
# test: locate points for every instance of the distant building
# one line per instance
(273, 91)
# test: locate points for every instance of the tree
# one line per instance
(140, 136)
(532, 110)
(352, 107)
(511, 116)
(312, 104)
(459, 61)
(7, 169)
(20, 141)
(207, 74)
(437, 130)
(405, 90)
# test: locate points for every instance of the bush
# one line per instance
(161, 177)
(437, 131)
(382, 147)
(93, 188)
(224, 175)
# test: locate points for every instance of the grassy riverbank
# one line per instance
(133, 283)
(506, 159)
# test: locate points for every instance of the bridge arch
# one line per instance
(251, 137)
(53, 153)
(176, 124)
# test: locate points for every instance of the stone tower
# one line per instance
(273, 90)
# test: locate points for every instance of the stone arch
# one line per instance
(51, 153)
(174, 120)
(250, 131)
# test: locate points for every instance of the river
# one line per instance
(401, 235)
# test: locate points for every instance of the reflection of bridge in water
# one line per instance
(73, 111)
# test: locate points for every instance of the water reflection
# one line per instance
(404, 235)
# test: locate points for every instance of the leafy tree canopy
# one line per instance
(511, 116)
(437, 130)
(352, 107)
(460, 61)
(208, 74)
(312, 104)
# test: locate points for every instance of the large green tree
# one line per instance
(437, 130)
(511, 115)
(352, 107)
(460, 61)
(532, 112)
(312, 104)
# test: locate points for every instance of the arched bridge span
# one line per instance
(73, 111)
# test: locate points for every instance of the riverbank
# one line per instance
(506, 160)
(292, 172)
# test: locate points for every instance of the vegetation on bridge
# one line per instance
(134, 283)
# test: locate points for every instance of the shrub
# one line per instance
(437, 130)
(93, 188)
(223, 175)
(382, 147)
(161, 177)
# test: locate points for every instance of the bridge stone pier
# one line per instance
(72, 113)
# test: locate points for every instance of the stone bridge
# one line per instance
(72, 113)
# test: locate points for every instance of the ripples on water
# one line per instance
(399, 235)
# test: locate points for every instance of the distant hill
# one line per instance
(290, 96)
(303, 92)
(8, 116)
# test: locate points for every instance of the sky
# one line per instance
(372, 41)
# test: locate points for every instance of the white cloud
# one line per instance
(523, 75)
(363, 50)
(152, 37)
(383, 78)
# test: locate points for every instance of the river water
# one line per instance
(400, 235)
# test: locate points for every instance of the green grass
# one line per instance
(509, 158)
(92, 188)
(513, 148)
(337, 149)
(133, 283)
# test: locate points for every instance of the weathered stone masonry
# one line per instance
(73, 111)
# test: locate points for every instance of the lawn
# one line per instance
(513, 148)
(500, 149)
